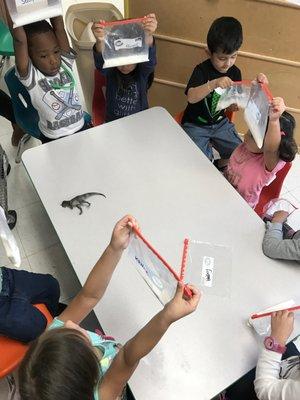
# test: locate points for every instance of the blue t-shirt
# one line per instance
(126, 94)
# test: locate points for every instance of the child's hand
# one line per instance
(98, 29)
(150, 24)
(232, 108)
(261, 78)
(179, 306)
(282, 325)
(277, 107)
(280, 216)
(121, 233)
(223, 82)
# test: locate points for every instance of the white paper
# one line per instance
(121, 44)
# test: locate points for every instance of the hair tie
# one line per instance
(282, 133)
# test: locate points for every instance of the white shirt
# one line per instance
(273, 380)
(55, 98)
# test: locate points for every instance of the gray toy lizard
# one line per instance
(79, 201)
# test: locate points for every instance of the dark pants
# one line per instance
(243, 389)
(19, 319)
(6, 108)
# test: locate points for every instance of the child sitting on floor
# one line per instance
(82, 365)
(127, 85)
(251, 168)
(44, 63)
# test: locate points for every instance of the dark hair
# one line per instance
(36, 28)
(225, 35)
(288, 147)
(59, 365)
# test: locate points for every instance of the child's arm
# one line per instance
(274, 246)
(198, 93)
(20, 46)
(141, 344)
(268, 384)
(99, 278)
(60, 33)
(273, 134)
(150, 26)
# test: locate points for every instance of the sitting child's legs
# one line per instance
(201, 137)
(225, 138)
(19, 319)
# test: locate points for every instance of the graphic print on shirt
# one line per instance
(63, 102)
(126, 100)
(213, 99)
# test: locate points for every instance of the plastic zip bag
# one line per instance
(209, 267)
(257, 111)
(238, 94)
(9, 242)
(25, 12)
(262, 325)
(124, 43)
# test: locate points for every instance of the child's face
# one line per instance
(126, 69)
(45, 53)
(222, 62)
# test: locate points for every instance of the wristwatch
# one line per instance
(271, 344)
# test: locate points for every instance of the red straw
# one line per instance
(184, 257)
(268, 314)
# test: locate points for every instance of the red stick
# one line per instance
(268, 314)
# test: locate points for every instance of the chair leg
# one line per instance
(13, 393)
(2, 61)
(21, 145)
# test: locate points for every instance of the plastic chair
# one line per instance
(98, 106)
(26, 115)
(6, 45)
(13, 352)
(273, 190)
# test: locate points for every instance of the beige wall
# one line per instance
(271, 45)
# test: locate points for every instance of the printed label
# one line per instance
(23, 3)
(207, 271)
(121, 44)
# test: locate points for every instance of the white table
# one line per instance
(147, 166)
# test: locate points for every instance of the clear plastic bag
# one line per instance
(25, 12)
(257, 111)
(209, 267)
(262, 325)
(159, 276)
(125, 43)
(237, 94)
(9, 242)
(278, 205)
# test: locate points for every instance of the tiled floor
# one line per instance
(37, 240)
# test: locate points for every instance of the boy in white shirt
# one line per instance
(44, 64)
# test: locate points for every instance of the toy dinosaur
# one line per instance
(79, 201)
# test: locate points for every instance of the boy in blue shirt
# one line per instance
(126, 85)
(207, 127)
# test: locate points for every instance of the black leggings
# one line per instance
(6, 109)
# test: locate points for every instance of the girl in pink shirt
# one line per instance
(251, 168)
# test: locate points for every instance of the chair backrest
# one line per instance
(26, 115)
(13, 351)
(99, 102)
(273, 190)
(6, 41)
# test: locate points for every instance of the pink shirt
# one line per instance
(247, 173)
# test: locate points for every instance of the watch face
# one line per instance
(269, 343)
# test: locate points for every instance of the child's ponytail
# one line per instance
(288, 147)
